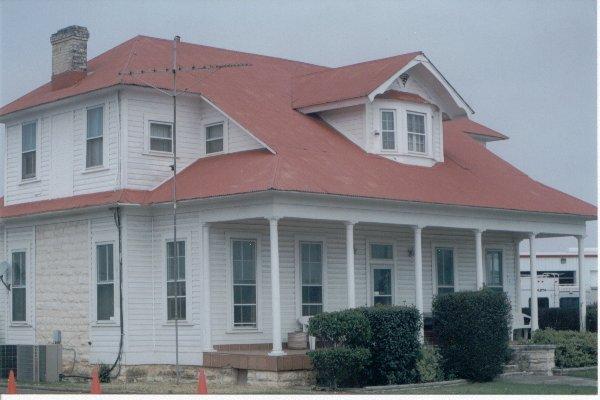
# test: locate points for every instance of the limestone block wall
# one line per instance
(62, 284)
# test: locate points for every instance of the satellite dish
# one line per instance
(5, 270)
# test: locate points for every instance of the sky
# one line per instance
(528, 68)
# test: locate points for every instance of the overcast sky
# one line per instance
(528, 68)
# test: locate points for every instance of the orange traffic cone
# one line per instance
(12, 383)
(202, 389)
(95, 386)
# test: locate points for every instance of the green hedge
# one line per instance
(341, 367)
(348, 328)
(395, 345)
(566, 319)
(390, 336)
(473, 333)
(573, 348)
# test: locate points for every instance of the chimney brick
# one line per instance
(69, 55)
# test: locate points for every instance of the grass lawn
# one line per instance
(590, 374)
(501, 387)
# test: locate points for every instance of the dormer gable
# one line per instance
(393, 107)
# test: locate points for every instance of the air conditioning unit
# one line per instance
(31, 363)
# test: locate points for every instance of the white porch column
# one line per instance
(478, 259)
(419, 275)
(275, 291)
(533, 274)
(350, 264)
(206, 327)
(582, 279)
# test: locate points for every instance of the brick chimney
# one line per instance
(69, 56)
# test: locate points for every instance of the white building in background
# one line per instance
(558, 280)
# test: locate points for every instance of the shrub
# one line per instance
(395, 344)
(340, 367)
(473, 333)
(573, 348)
(349, 328)
(429, 365)
(104, 373)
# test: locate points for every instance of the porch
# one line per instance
(378, 256)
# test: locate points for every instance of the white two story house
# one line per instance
(300, 189)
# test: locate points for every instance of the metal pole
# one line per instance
(174, 167)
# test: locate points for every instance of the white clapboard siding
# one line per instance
(104, 337)
(349, 121)
(146, 169)
(100, 179)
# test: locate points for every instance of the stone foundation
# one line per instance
(280, 378)
(537, 359)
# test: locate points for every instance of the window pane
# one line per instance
(19, 304)
(94, 122)
(214, 132)
(388, 130)
(382, 282)
(161, 138)
(312, 294)
(19, 269)
(28, 139)
(94, 152)
(493, 268)
(214, 146)
(28, 165)
(382, 251)
(445, 267)
(416, 123)
(105, 302)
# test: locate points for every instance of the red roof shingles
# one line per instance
(309, 156)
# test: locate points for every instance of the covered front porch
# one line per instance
(265, 274)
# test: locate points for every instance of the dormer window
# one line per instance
(416, 132)
(388, 129)
(214, 138)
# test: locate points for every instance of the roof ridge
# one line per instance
(329, 69)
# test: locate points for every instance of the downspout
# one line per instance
(117, 217)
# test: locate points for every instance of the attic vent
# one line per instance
(404, 79)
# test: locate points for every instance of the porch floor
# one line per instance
(256, 357)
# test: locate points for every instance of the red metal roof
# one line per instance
(403, 96)
(310, 155)
(347, 82)
(464, 124)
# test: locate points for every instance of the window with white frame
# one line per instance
(416, 132)
(28, 150)
(214, 138)
(311, 271)
(244, 282)
(444, 262)
(176, 281)
(19, 286)
(105, 282)
(161, 137)
(95, 137)
(493, 269)
(388, 129)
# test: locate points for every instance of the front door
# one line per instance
(382, 285)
